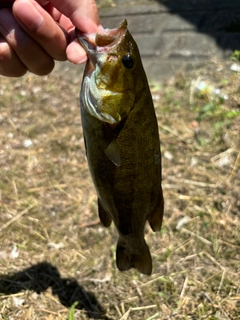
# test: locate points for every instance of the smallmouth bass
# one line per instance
(122, 142)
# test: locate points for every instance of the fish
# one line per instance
(122, 142)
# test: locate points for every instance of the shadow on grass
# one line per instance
(43, 275)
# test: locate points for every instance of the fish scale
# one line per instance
(122, 142)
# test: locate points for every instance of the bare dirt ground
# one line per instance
(54, 251)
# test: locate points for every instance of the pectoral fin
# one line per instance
(103, 215)
(113, 153)
(107, 142)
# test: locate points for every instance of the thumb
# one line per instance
(82, 13)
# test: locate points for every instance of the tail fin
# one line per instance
(126, 260)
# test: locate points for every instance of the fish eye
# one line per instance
(127, 61)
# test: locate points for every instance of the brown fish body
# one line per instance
(123, 151)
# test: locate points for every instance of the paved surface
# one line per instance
(177, 34)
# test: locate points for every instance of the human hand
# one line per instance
(35, 33)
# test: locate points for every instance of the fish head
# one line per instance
(111, 73)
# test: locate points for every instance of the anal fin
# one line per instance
(103, 215)
(156, 217)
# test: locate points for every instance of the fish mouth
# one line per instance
(101, 42)
(97, 47)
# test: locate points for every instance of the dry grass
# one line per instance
(53, 251)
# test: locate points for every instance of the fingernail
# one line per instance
(81, 61)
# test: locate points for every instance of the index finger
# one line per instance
(82, 13)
